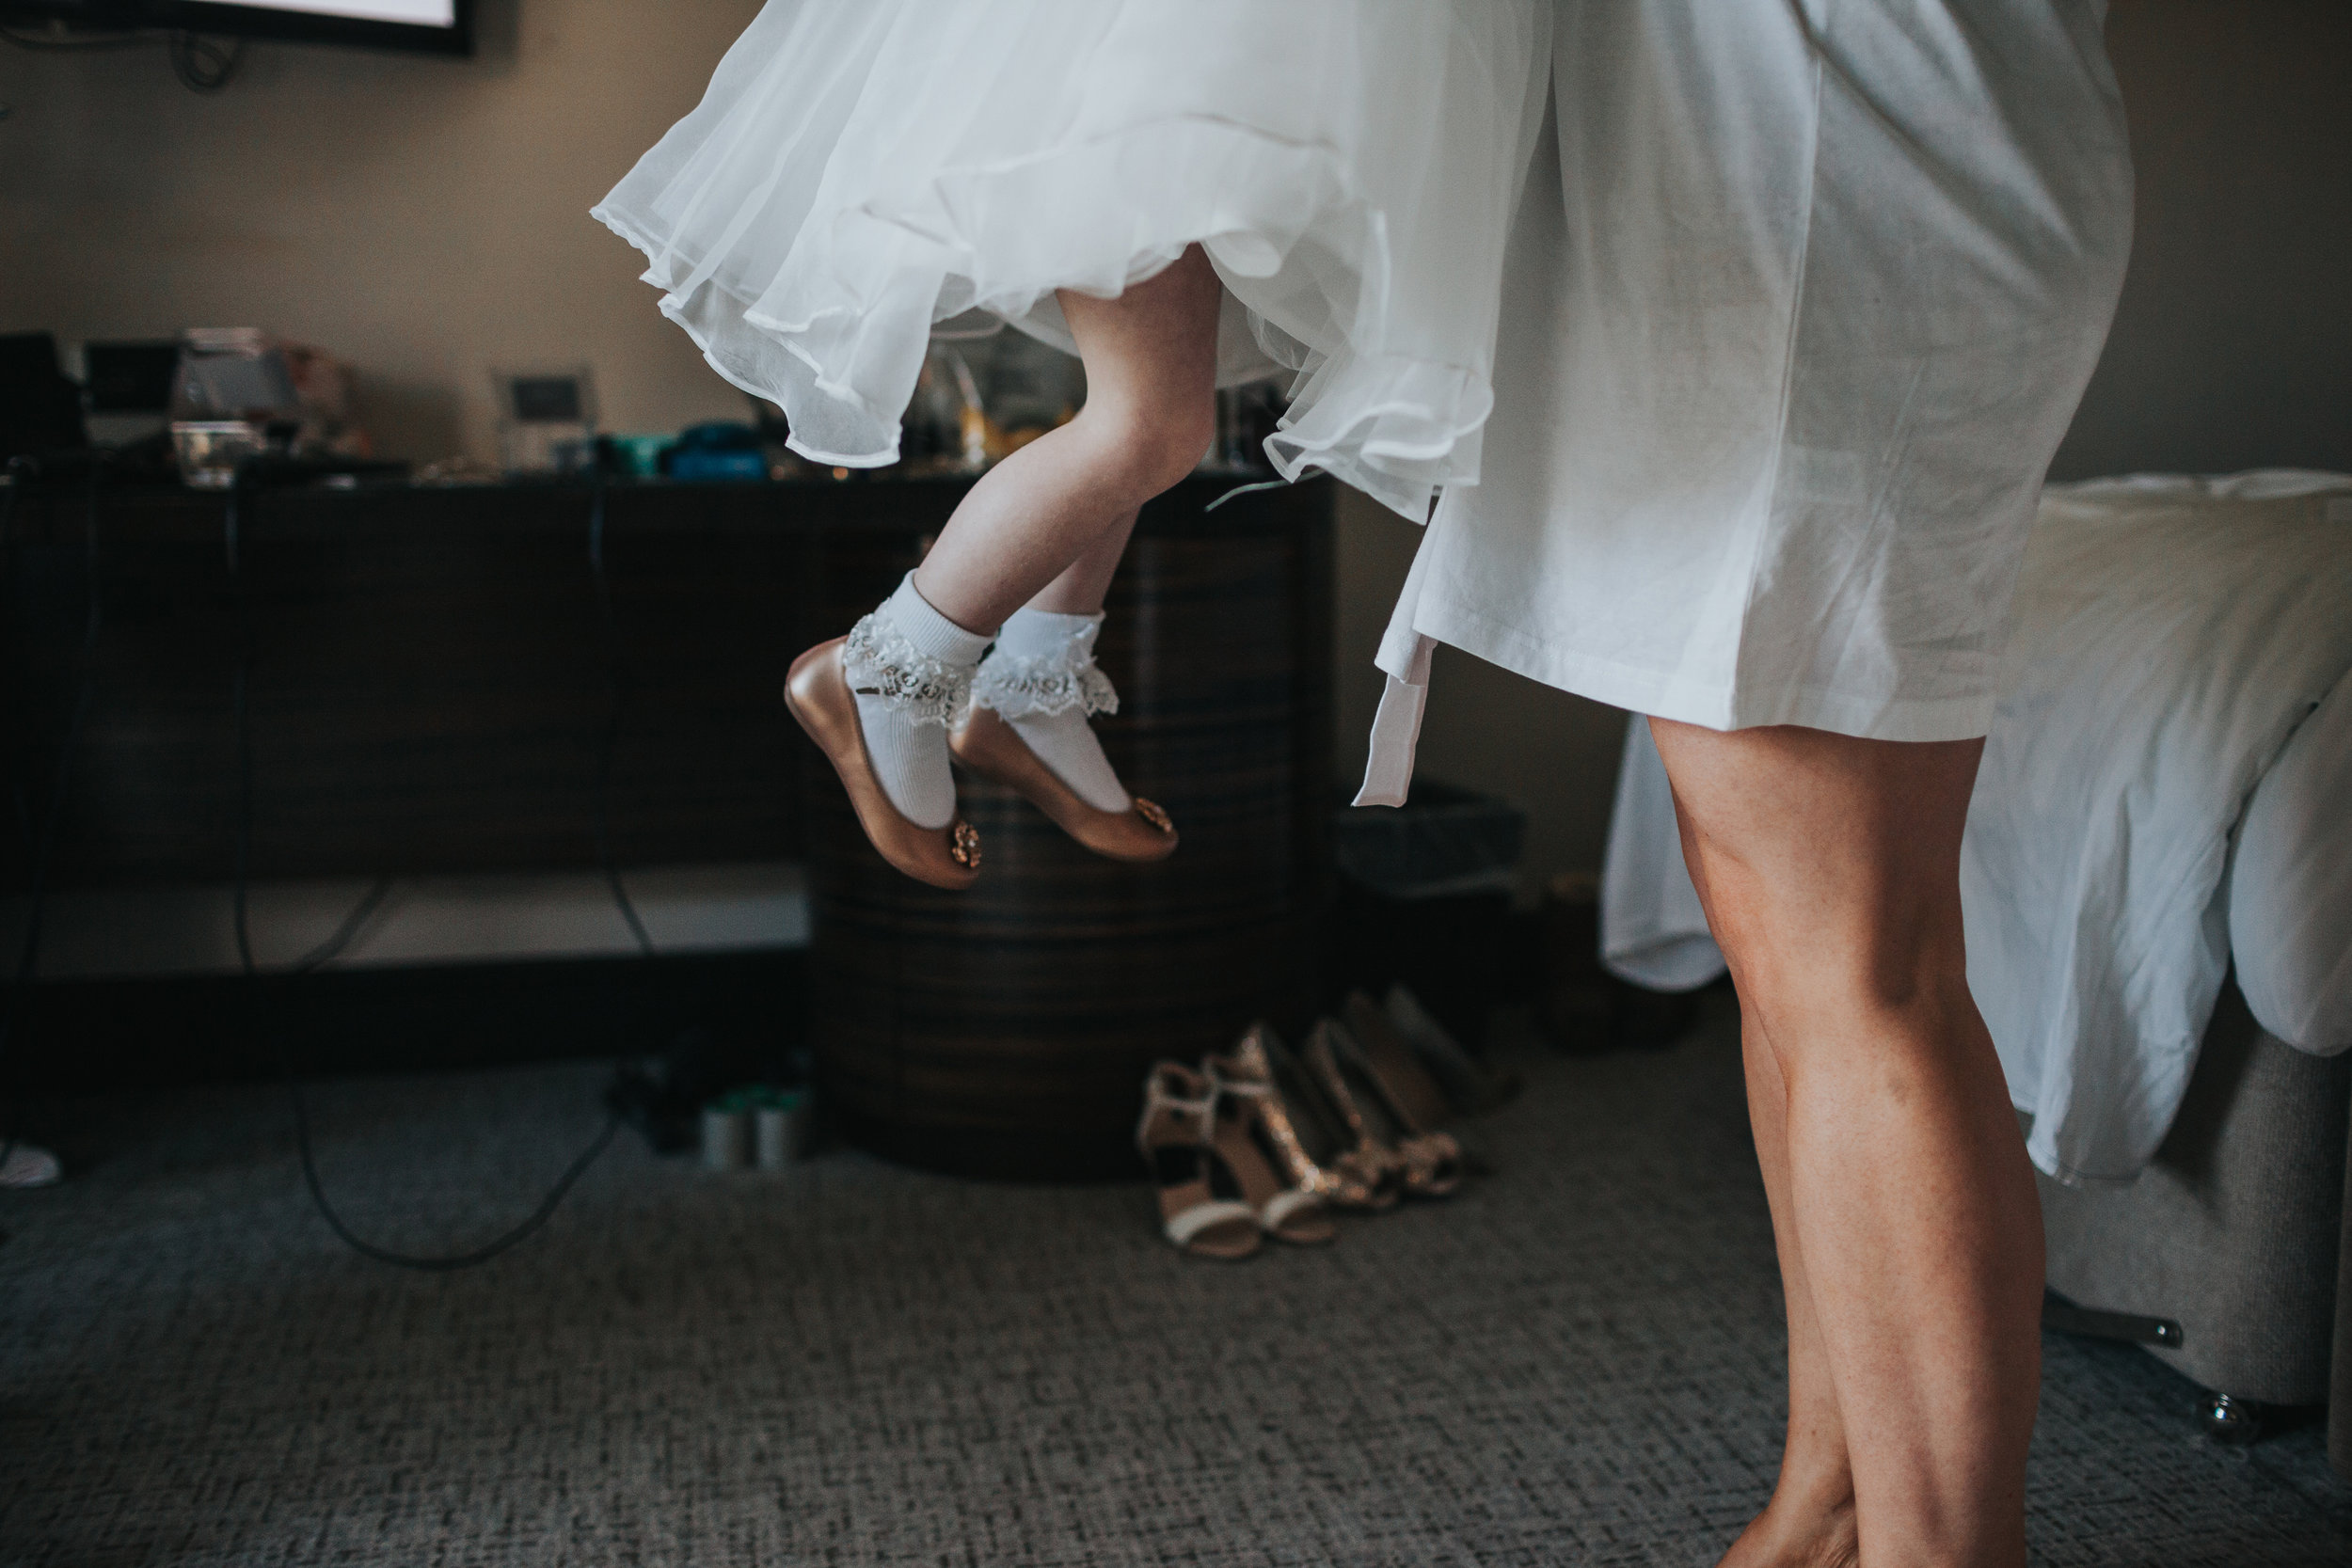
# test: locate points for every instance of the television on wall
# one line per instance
(435, 26)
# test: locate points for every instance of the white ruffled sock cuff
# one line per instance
(1043, 666)
(910, 655)
(1029, 633)
(932, 634)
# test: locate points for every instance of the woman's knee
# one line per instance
(1852, 943)
(1793, 980)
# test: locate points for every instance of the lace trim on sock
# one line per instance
(1041, 686)
(878, 659)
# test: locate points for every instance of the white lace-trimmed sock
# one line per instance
(910, 669)
(1042, 679)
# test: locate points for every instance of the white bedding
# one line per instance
(2291, 885)
(2173, 637)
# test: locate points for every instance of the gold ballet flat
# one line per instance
(992, 748)
(818, 693)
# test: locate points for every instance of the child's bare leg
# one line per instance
(1053, 518)
(1150, 412)
(1083, 583)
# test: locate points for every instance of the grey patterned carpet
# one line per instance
(1576, 1362)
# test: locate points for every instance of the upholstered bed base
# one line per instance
(2235, 1235)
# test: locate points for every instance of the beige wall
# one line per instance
(426, 220)
(2233, 347)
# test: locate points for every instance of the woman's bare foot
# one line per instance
(1786, 1537)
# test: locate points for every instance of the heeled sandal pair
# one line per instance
(1210, 1155)
(1246, 1144)
(816, 692)
(1382, 1100)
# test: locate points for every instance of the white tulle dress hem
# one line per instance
(837, 339)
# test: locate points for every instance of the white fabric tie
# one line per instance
(1403, 657)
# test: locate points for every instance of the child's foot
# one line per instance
(878, 703)
(1027, 729)
(911, 670)
(1042, 679)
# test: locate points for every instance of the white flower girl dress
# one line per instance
(862, 170)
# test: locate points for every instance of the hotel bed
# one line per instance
(2158, 884)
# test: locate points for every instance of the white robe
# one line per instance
(1798, 303)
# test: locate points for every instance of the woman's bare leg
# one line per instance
(1909, 1228)
(1810, 1520)
(1150, 412)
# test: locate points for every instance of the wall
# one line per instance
(428, 220)
(2232, 346)
(424, 220)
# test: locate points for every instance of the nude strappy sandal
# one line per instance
(1394, 1061)
(992, 748)
(1202, 1205)
(818, 693)
(1253, 1135)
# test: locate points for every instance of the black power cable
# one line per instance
(75, 43)
(233, 537)
(617, 675)
(343, 935)
(203, 65)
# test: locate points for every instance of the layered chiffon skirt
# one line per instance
(862, 171)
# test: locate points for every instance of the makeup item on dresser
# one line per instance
(239, 393)
(727, 1133)
(547, 420)
(720, 452)
(127, 388)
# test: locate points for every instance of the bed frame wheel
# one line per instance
(2230, 1419)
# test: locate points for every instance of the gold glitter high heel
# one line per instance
(1259, 1082)
(1431, 1163)
(1286, 1210)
